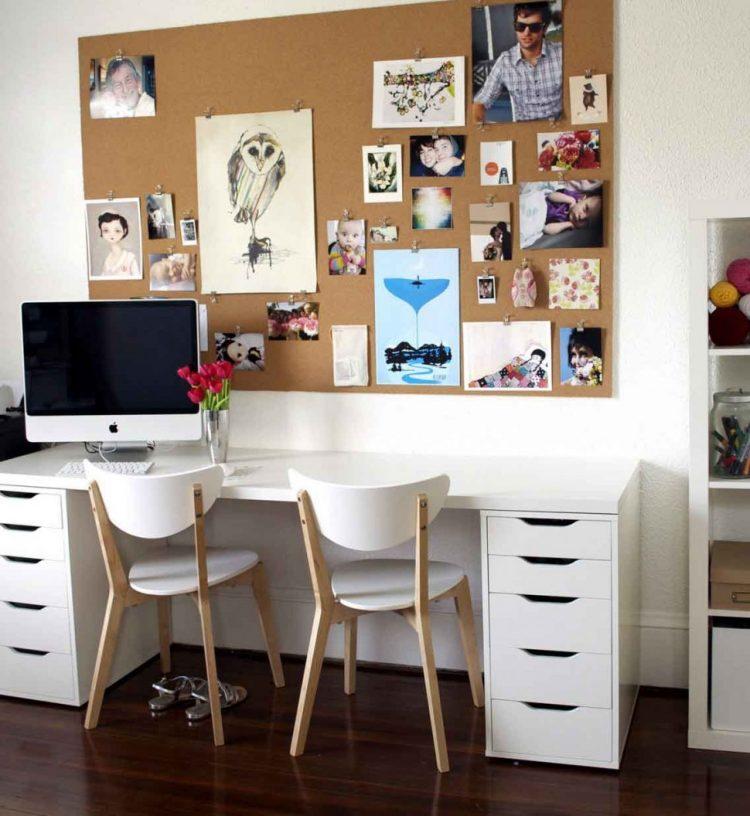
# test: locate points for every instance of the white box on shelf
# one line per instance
(730, 664)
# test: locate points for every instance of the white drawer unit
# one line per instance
(25, 506)
(560, 604)
(30, 626)
(26, 541)
(33, 581)
(37, 674)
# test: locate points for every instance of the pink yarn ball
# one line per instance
(738, 273)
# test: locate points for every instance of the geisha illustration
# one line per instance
(530, 370)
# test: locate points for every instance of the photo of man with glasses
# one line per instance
(524, 83)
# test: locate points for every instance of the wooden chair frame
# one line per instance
(122, 596)
(329, 611)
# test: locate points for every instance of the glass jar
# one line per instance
(730, 435)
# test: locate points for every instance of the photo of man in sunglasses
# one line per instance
(525, 81)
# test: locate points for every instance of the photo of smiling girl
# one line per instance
(113, 234)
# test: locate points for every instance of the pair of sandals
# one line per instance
(182, 689)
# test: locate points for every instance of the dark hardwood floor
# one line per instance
(370, 754)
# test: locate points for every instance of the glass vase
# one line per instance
(216, 432)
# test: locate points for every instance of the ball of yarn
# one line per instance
(744, 305)
(738, 273)
(728, 327)
(724, 294)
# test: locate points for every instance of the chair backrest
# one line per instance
(370, 518)
(155, 506)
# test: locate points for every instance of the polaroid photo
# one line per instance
(500, 34)
(574, 283)
(384, 234)
(490, 232)
(122, 87)
(188, 232)
(431, 208)
(382, 174)
(347, 250)
(293, 321)
(568, 150)
(555, 214)
(581, 356)
(244, 350)
(172, 273)
(588, 99)
(486, 289)
(424, 92)
(113, 239)
(437, 156)
(496, 163)
(160, 216)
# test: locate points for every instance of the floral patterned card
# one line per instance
(574, 283)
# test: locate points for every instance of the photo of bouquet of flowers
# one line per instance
(569, 150)
(210, 386)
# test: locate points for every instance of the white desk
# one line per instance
(559, 570)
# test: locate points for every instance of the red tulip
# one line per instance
(215, 386)
(196, 395)
(208, 369)
(184, 372)
(225, 369)
(197, 380)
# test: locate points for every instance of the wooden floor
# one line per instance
(370, 754)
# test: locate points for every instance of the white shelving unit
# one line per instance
(719, 231)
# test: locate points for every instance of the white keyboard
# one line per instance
(128, 468)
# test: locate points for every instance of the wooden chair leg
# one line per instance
(313, 664)
(350, 656)
(107, 646)
(433, 692)
(267, 627)
(465, 616)
(212, 679)
(164, 608)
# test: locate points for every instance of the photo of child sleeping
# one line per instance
(561, 214)
(441, 156)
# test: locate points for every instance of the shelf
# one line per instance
(729, 351)
(729, 613)
(729, 484)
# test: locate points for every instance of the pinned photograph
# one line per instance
(561, 214)
(569, 150)
(581, 358)
(588, 99)
(160, 216)
(486, 289)
(347, 253)
(508, 357)
(511, 43)
(382, 174)
(574, 283)
(244, 350)
(113, 239)
(496, 163)
(425, 92)
(293, 321)
(439, 155)
(431, 208)
(350, 366)
(122, 87)
(172, 273)
(188, 232)
(384, 234)
(490, 231)
(417, 317)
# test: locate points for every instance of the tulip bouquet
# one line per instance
(210, 386)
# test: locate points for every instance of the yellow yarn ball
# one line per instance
(724, 294)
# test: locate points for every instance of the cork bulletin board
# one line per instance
(325, 60)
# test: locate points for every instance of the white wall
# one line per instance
(683, 105)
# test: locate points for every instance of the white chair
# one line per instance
(156, 507)
(369, 519)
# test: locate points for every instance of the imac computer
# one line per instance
(106, 370)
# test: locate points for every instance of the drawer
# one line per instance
(568, 678)
(37, 674)
(532, 575)
(30, 626)
(536, 622)
(554, 538)
(565, 733)
(24, 506)
(33, 581)
(32, 542)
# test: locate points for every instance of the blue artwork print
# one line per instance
(417, 317)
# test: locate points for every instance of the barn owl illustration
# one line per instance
(255, 170)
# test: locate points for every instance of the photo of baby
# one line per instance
(490, 232)
(347, 253)
(486, 289)
(293, 321)
(561, 214)
(581, 358)
(172, 273)
(245, 350)
(160, 216)
(384, 234)
(382, 176)
(437, 156)
(113, 238)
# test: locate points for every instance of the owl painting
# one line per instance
(255, 169)
(256, 202)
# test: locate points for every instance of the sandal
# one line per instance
(173, 690)
(229, 696)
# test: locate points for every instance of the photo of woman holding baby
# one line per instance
(437, 156)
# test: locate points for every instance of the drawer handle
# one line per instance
(34, 652)
(536, 559)
(18, 605)
(550, 706)
(548, 522)
(17, 494)
(18, 559)
(22, 528)
(548, 599)
(548, 653)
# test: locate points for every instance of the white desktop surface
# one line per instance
(530, 484)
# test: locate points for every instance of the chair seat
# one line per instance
(173, 570)
(383, 584)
